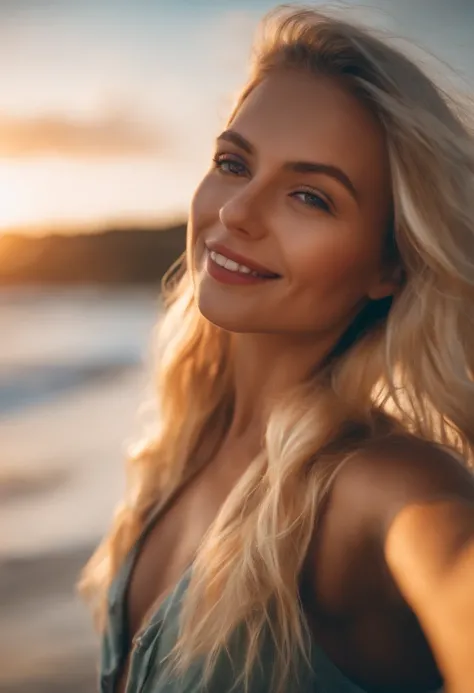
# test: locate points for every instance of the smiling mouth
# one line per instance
(239, 268)
(227, 271)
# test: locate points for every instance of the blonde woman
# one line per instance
(304, 518)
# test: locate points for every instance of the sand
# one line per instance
(47, 644)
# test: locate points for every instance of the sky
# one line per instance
(109, 108)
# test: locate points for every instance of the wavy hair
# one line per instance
(405, 364)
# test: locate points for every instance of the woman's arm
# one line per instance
(415, 501)
(429, 549)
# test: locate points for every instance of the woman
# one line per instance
(304, 518)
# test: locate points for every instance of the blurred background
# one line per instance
(108, 111)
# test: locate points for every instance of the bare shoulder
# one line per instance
(389, 474)
(371, 487)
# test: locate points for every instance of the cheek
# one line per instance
(202, 214)
(205, 204)
(332, 267)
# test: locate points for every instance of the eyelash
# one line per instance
(221, 160)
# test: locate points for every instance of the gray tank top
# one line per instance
(149, 672)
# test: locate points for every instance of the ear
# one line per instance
(389, 284)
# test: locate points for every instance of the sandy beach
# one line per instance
(46, 641)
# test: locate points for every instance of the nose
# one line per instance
(244, 212)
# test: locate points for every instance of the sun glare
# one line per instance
(39, 194)
(14, 205)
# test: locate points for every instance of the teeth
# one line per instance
(230, 264)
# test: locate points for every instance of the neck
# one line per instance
(265, 367)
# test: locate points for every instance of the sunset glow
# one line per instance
(12, 200)
(42, 193)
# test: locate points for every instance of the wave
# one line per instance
(36, 385)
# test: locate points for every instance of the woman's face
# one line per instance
(300, 186)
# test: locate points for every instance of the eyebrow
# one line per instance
(296, 166)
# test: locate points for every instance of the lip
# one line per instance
(241, 259)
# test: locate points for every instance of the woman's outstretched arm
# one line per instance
(414, 502)
(430, 552)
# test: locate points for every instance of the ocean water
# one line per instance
(57, 339)
(74, 371)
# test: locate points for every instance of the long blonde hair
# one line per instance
(409, 361)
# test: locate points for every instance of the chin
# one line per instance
(224, 315)
(226, 322)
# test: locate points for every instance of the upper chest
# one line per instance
(344, 569)
(174, 535)
(351, 603)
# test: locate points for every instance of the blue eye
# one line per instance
(313, 200)
(227, 165)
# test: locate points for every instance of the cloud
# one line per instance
(112, 135)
